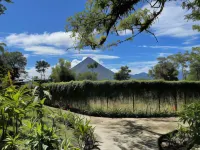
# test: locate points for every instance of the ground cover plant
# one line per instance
(124, 98)
(25, 123)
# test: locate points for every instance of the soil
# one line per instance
(131, 133)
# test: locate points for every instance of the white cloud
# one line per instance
(32, 72)
(53, 39)
(114, 70)
(96, 56)
(26, 55)
(135, 67)
(164, 54)
(139, 70)
(171, 47)
(125, 32)
(190, 40)
(141, 66)
(75, 62)
(160, 47)
(45, 50)
(172, 22)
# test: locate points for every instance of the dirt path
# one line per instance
(131, 134)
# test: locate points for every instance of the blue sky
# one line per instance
(37, 29)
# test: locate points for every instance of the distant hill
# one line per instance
(142, 75)
(103, 73)
(106, 74)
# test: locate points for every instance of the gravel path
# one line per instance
(131, 134)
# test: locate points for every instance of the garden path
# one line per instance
(131, 133)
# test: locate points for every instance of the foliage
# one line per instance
(191, 116)
(2, 47)
(194, 64)
(123, 74)
(92, 66)
(41, 67)
(181, 60)
(140, 97)
(193, 6)
(2, 6)
(23, 122)
(102, 18)
(87, 76)
(61, 72)
(14, 62)
(164, 70)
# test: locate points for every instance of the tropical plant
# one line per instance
(12, 143)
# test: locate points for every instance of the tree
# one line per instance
(87, 76)
(2, 47)
(2, 7)
(102, 18)
(164, 70)
(123, 74)
(41, 67)
(194, 65)
(3, 68)
(14, 62)
(61, 72)
(92, 66)
(181, 60)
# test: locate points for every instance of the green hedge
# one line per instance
(81, 93)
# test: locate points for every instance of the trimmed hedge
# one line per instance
(80, 93)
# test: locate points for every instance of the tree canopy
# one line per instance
(102, 18)
(41, 67)
(123, 74)
(61, 72)
(165, 70)
(14, 62)
(181, 60)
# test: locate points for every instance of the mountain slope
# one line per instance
(142, 75)
(103, 73)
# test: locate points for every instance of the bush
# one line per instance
(80, 94)
(87, 76)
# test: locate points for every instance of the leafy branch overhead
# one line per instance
(102, 18)
(2, 5)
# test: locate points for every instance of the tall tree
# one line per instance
(3, 68)
(102, 18)
(61, 72)
(15, 62)
(164, 70)
(181, 60)
(41, 67)
(2, 48)
(195, 65)
(123, 74)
